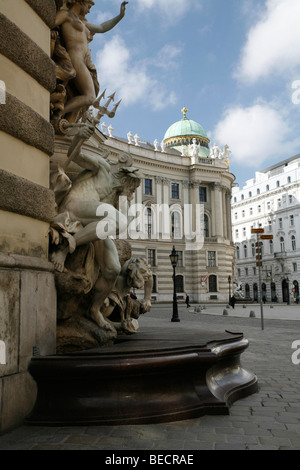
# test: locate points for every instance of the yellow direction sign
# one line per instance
(257, 230)
(266, 237)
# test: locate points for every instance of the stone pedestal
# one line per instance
(149, 379)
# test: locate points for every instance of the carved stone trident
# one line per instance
(104, 109)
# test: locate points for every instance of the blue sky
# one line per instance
(232, 63)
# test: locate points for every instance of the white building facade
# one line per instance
(178, 173)
(269, 201)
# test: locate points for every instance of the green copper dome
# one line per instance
(185, 127)
(183, 132)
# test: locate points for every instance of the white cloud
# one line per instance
(131, 78)
(169, 10)
(103, 16)
(253, 134)
(272, 43)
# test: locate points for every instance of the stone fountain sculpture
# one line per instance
(94, 269)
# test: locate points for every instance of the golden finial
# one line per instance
(184, 111)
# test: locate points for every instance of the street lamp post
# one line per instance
(174, 261)
(229, 283)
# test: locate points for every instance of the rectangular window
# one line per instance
(292, 220)
(202, 194)
(151, 258)
(148, 187)
(270, 225)
(175, 191)
(280, 223)
(211, 259)
(295, 267)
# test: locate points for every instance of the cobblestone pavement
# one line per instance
(267, 420)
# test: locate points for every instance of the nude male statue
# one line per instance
(76, 33)
(93, 198)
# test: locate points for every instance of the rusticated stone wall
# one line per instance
(27, 287)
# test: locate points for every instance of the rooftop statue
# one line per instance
(194, 148)
(77, 83)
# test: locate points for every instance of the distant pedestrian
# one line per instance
(187, 301)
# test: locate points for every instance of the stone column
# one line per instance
(27, 288)
(166, 191)
(229, 220)
(218, 210)
(213, 212)
(158, 188)
(224, 206)
(186, 196)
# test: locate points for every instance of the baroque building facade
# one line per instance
(269, 201)
(180, 177)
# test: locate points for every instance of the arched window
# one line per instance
(213, 285)
(282, 245)
(271, 247)
(264, 290)
(206, 226)
(247, 291)
(255, 292)
(179, 282)
(253, 249)
(154, 287)
(148, 222)
(176, 225)
(237, 252)
(293, 243)
(273, 292)
(296, 290)
(245, 251)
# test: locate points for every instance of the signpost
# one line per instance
(259, 237)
